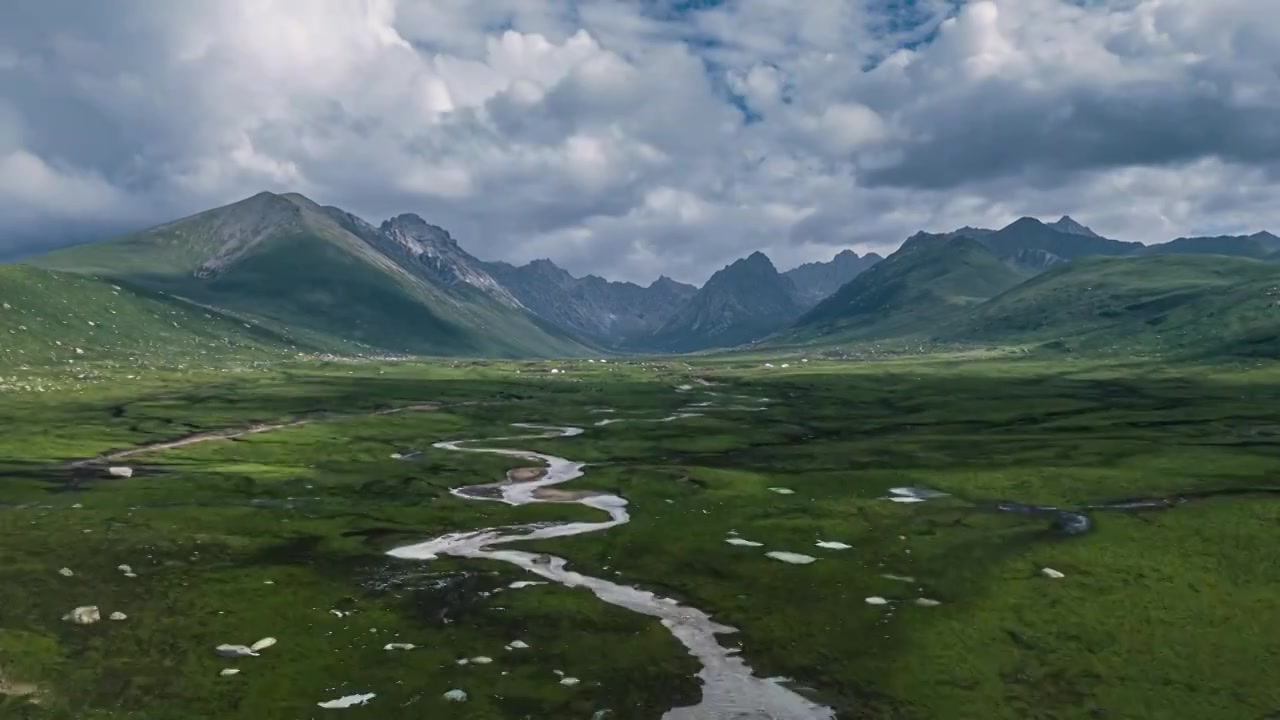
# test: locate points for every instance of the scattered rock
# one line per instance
(399, 646)
(263, 644)
(455, 696)
(482, 660)
(790, 557)
(518, 645)
(84, 615)
(234, 651)
(117, 616)
(569, 681)
(926, 602)
(832, 545)
(228, 672)
(1051, 573)
(120, 472)
(126, 569)
(876, 600)
(782, 490)
(65, 572)
(743, 542)
(348, 701)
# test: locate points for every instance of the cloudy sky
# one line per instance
(638, 137)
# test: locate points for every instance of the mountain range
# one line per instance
(314, 277)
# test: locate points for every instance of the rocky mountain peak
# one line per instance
(1068, 225)
(417, 234)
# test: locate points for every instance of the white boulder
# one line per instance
(84, 615)
(1051, 573)
(120, 471)
(263, 644)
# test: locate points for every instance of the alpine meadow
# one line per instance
(665, 390)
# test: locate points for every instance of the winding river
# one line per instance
(730, 689)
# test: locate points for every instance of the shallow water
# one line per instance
(730, 690)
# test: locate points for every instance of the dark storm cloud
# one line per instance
(633, 139)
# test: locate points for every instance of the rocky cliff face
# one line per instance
(610, 314)
(816, 281)
(745, 301)
(430, 250)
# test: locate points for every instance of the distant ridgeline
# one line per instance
(277, 274)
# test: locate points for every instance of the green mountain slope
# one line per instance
(1065, 239)
(1258, 245)
(316, 272)
(52, 318)
(930, 279)
(1208, 303)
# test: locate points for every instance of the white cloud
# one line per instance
(631, 139)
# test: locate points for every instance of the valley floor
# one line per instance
(1162, 613)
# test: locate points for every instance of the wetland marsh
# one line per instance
(292, 534)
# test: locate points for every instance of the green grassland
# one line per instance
(1162, 614)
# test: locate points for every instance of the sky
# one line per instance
(632, 138)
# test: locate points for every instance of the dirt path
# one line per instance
(241, 432)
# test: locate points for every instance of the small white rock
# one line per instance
(926, 602)
(263, 644)
(455, 696)
(518, 645)
(65, 572)
(570, 681)
(876, 600)
(234, 651)
(348, 701)
(117, 616)
(783, 491)
(482, 660)
(790, 557)
(228, 672)
(84, 615)
(126, 569)
(120, 472)
(399, 646)
(1051, 573)
(833, 545)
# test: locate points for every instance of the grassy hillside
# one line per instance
(287, 262)
(1200, 303)
(929, 279)
(51, 318)
(1261, 245)
(1029, 233)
